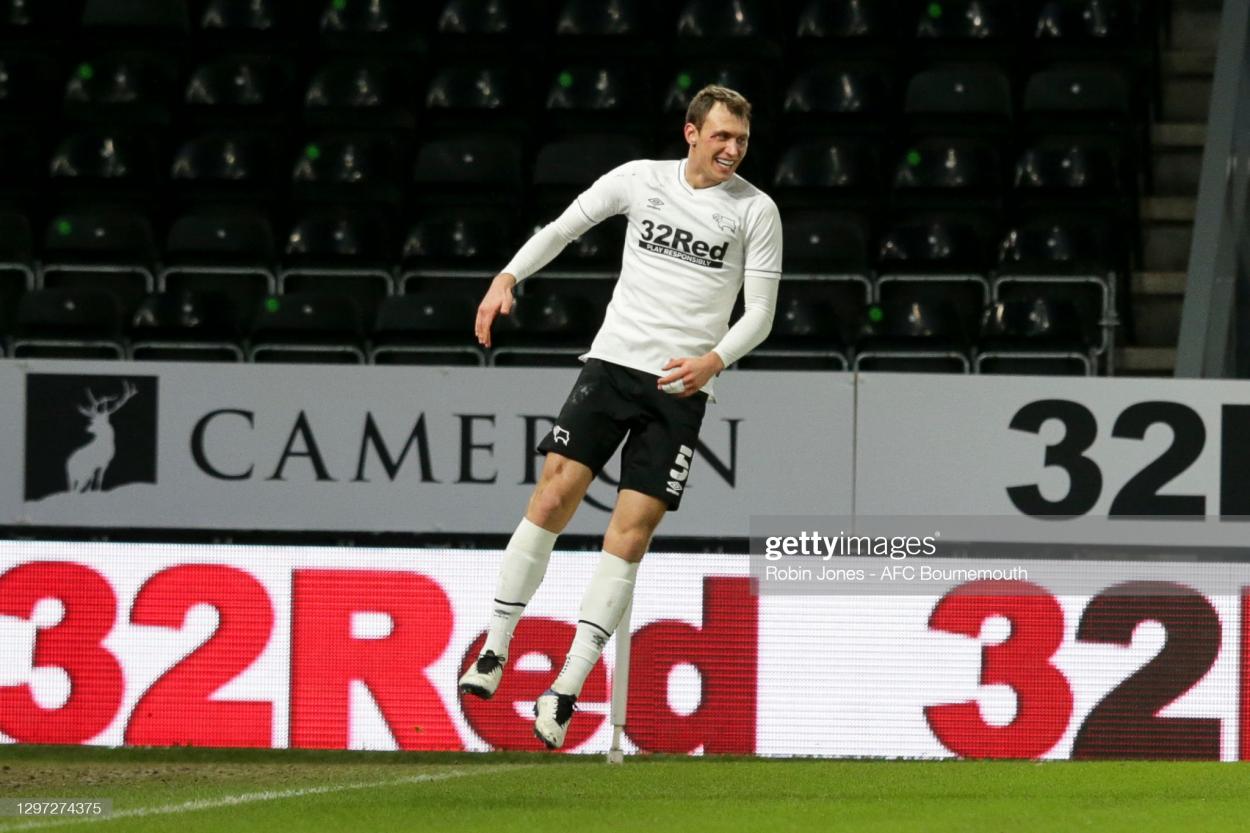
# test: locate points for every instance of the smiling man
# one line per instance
(697, 235)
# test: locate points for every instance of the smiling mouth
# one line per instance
(724, 163)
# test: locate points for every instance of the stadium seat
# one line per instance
(822, 172)
(156, 21)
(226, 165)
(239, 18)
(426, 328)
(1076, 94)
(475, 17)
(105, 250)
(547, 328)
(567, 166)
(594, 90)
(958, 99)
(477, 28)
(1033, 335)
(134, 87)
(468, 168)
(600, 19)
(103, 164)
(806, 335)
(473, 88)
(712, 20)
(962, 20)
(68, 324)
(1063, 258)
(236, 89)
(948, 171)
(186, 326)
(845, 20)
(750, 79)
(23, 163)
(370, 25)
(847, 95)
(224, 252)
(356, 92)
(1077, 171)
(346, 252)
(457, 240)
(824, 242)
(912, 336)
(1078, 20)
(308, 327)
(936, 257)
(348, 168)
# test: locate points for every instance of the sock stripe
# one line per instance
(509, 604)
(600, 628)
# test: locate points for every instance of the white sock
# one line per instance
(522, 570)
(609, 593)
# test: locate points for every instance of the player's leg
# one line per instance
(583, 438)
(611, 589)
(555, 498)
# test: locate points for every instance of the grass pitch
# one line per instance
(191, 790)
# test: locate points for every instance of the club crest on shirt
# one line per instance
(725, 223)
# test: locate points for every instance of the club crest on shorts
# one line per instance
(560, 435)
(680, 471)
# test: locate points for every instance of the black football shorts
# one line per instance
(609, 403)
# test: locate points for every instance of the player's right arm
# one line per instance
(609, 195)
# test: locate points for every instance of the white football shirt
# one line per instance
(687, 251)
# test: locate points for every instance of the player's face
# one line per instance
(717, 149)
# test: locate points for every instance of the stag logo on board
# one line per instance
(88, 434)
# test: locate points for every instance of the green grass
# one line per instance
(517, 792)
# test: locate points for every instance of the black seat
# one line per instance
(68, 324)
(361, 92)
(712, 20)
(600, 19)
(227, 165)
(912, 336)
(1068, 21)
(348, 167)
(236, 89)
(1033, 335)
(369, 25)
(1062, 258)
(308, 327)
(547, 328)
(186, 326)
(962, 20)
(103, 164)
(124, 87)
(473, 88)
(155, 22)
(806, 335)
(820, 171)
(959, 99)
(468, 167)
(845, 20)
(742, 75)
(224, 252)
(236, 23)
(824, 242)
(476, 17)
(432, 328)
(564, 167)
(594, 89)
(1077, 93)
(339, 251)
(948, 171)
(1077, 171)
(940, 257)
(847, 94)
(107, 250)
(456, 240)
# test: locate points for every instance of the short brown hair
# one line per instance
(709, 96)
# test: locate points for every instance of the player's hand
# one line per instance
(692, 373)
(497, 301)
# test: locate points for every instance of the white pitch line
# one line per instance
(251, 798)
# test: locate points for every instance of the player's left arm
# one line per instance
(762, 276)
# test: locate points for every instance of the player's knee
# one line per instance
(629, 541)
